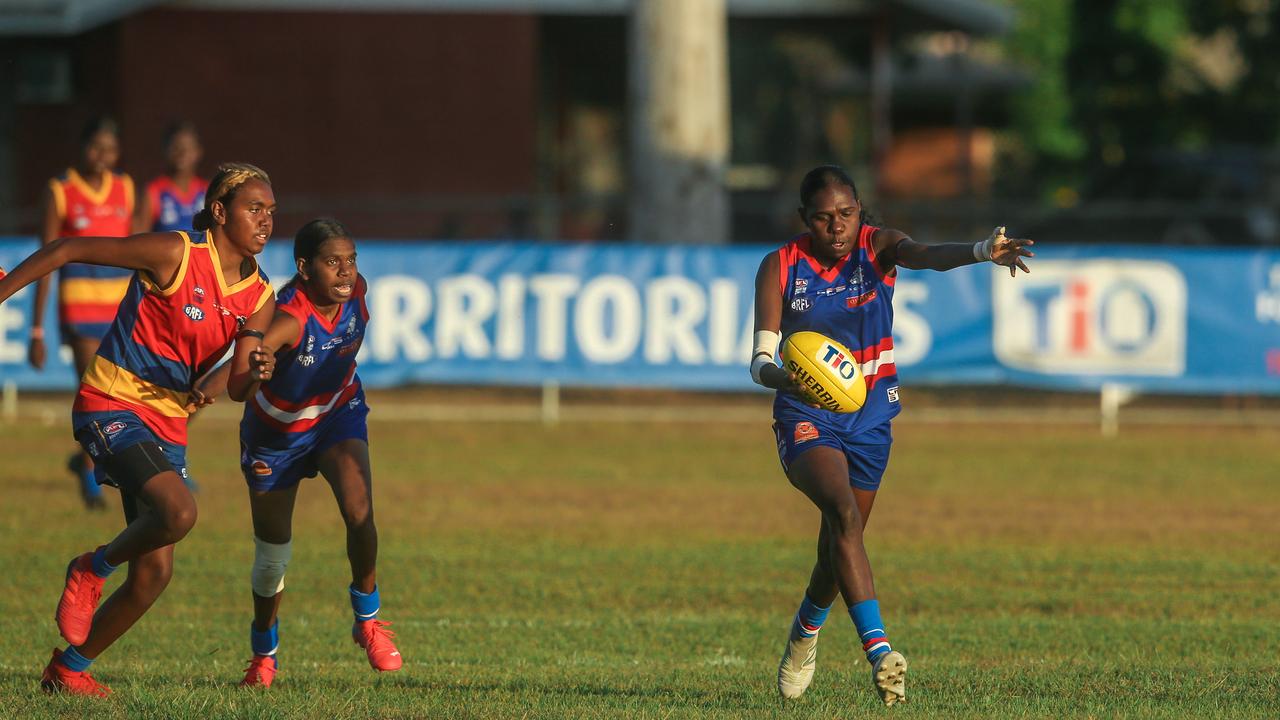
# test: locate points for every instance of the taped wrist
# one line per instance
(765, 349)
(983, 248)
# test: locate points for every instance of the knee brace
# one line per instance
(269, 563)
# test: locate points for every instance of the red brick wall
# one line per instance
(358, 115)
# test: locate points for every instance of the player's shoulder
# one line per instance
(289, 294)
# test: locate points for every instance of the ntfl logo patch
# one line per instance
(113, 428)
(805, 431)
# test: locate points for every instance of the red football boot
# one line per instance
(57, 678)
(79, 600)
(260, 673)
(370, 635)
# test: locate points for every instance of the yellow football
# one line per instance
(826, 370)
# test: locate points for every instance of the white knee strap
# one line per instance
(269, 563)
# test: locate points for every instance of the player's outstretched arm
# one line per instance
(901, 250)
(159, 254)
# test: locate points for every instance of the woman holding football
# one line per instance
(837, 279)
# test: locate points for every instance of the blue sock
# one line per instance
(866, 617)
(265, 642)
(365, 606)
(101, 567)
(809, 618)
(72, 660)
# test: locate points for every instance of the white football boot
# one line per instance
(889, 675)
(799, 660)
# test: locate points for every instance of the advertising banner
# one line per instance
(1158, 319)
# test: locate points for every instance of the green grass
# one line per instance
(650, 571)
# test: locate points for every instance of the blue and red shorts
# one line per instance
(867, 452)
(106, 434)
(273, 460)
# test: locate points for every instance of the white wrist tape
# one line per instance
(766, 347)
(269, 563)
(983, 248)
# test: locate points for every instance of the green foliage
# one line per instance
(1121, 80)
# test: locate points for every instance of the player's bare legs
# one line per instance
(822, 474)
(81, 464)
(346, 467)
(273, 523)
(842, 567)
(822, 581)
(147, 578)
(272, 512)
(166, 513)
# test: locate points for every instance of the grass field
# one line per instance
(649, 570)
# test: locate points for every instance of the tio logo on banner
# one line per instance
(1093, 317)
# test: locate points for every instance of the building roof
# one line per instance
(70, 17)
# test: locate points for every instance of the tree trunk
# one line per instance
(678, 102)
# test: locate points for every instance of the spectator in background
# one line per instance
(173, 199)
(89, 200)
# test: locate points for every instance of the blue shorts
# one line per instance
(271, 460)
(866, 452)
(107, 434)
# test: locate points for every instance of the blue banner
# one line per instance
(1159, 319)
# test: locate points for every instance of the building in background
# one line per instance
(496, 118)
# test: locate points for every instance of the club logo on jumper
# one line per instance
(800, 287)
(199, 293)
(856, 279)
(260, 468)
(893, 393)
(351, 326)
(113, 428)
(194, 312)
(801, 304)
(859, 301)
(805, 431)
(1093, 317)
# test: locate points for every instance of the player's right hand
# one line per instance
(196, 399)
(262, 361)
(780, 379)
